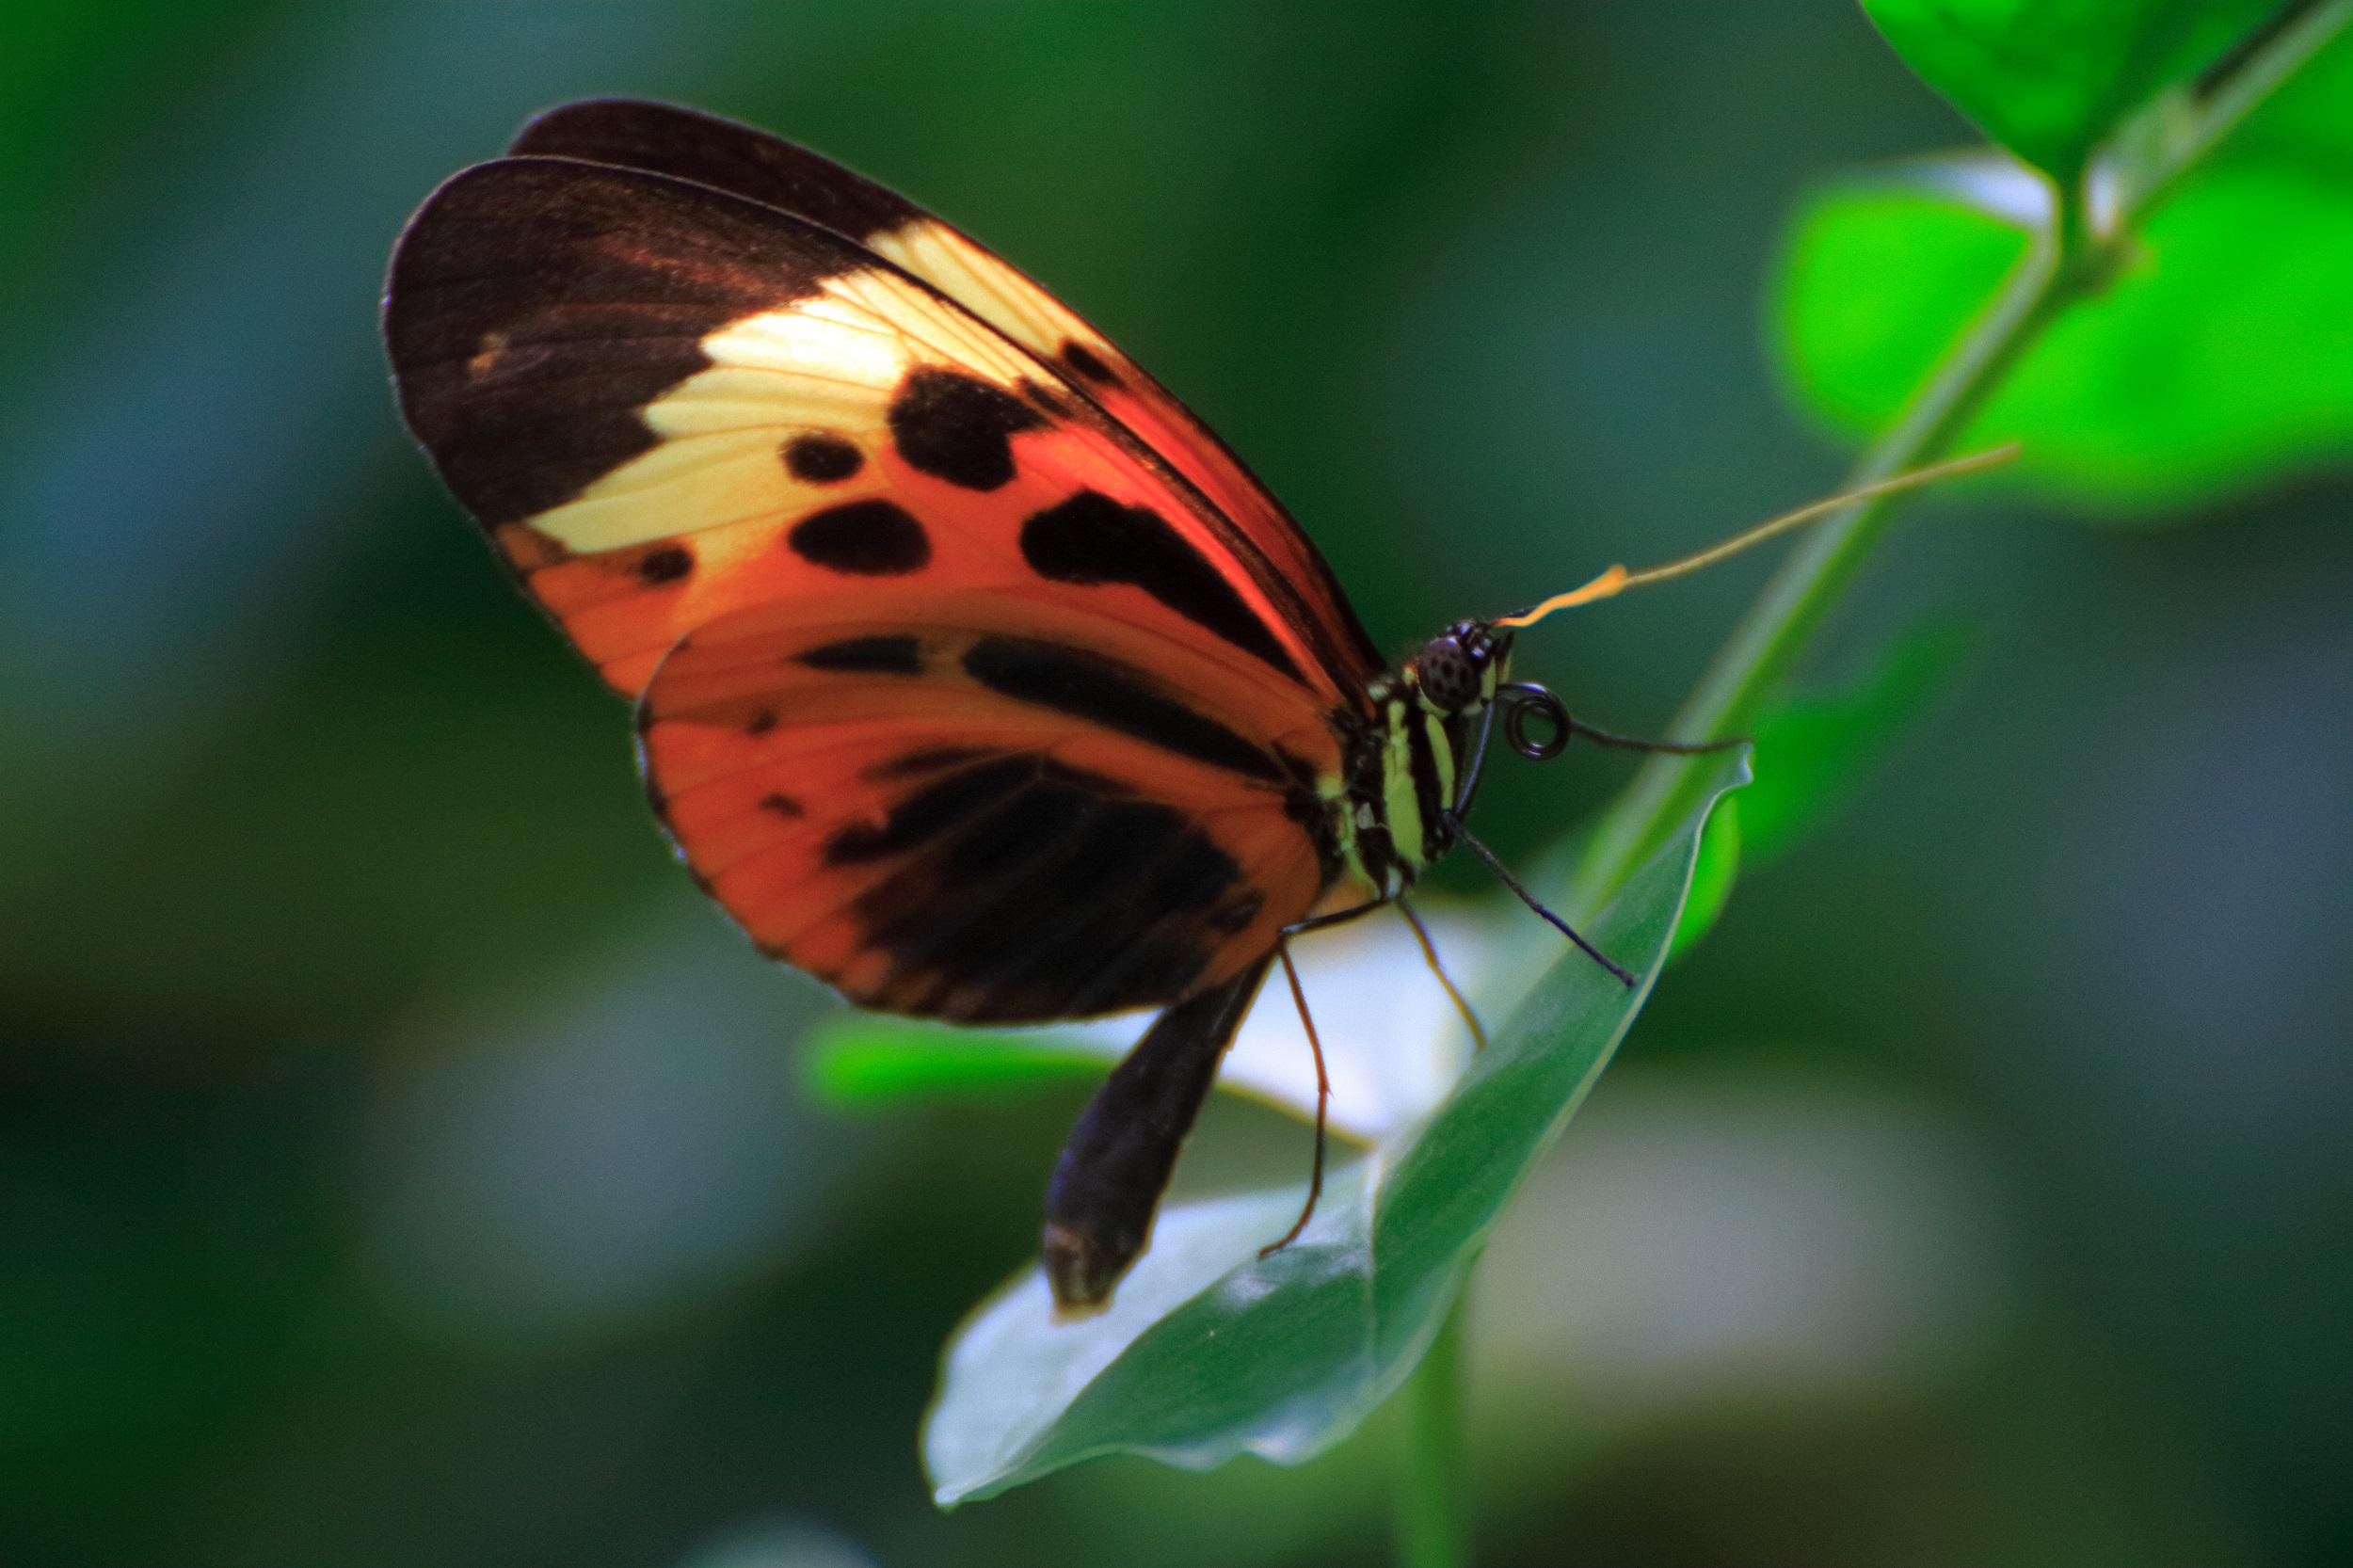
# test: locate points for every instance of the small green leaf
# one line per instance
(1209, 1351)
(858, 1061)
(1712, 876)
(2220, 360)
(1812, 748)
(2049, 79)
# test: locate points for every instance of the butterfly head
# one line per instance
(1457, 671)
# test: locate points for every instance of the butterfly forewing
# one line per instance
(753, 163)
(668, 402)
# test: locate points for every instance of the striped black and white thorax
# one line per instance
(1412, 765)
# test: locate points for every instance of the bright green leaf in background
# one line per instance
(2209, 366)
(1209, 1351)
(2049, 79)
(2219, 357)
(860, 1060)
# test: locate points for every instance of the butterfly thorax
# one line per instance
(1394, 811)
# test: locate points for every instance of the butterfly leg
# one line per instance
(1323, 1098)
(1338, 917)
(1430, 956)
(1107, 1184)
(1530, 900)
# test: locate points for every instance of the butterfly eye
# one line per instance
(1450, 675)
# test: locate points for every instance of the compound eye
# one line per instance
(1450, 677)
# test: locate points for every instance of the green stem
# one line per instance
(1769, 637)
(1432, 1498)
(2066, 263)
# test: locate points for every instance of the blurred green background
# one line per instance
(400, 1164)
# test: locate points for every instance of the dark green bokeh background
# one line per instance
(398, 1164)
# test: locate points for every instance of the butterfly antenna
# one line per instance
(1323, 1098)
(1430, 956)
(1618, 579)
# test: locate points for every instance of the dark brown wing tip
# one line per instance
(1082, 1275)
(725, 154)
(612, 130)
(535, 304)
(420, 243)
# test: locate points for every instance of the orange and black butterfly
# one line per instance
(973, 675)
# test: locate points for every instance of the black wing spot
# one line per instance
(665, 565)
(1093, 688)
(782, 805)
(819, 459)
(760, 722)
(958, 428)
(1091, 540)
(865, 539)
(882, 655)
(1079, 357)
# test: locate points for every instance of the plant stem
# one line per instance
(1770, 636)
(1433, 1500)
(2065, 263)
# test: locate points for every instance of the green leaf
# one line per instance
(2312, 114)
(1814, 748)
(2049, 79)
(2220, 360)
(858, 1061)
(1810, 751)
(1209, 1351)
(1716, 867)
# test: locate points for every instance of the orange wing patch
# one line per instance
(973, 814)
(751, 162)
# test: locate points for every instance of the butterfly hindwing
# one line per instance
(973, 814)
(765, 168)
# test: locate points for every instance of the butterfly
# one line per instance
(972, 674)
